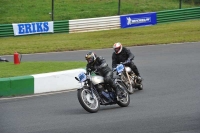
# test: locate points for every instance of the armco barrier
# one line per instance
(6, 30)
(61, 26)
(39, 83)
(94, 24)
(178, 15)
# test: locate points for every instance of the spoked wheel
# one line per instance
(89, 103)
(123, 101)
(129, 87)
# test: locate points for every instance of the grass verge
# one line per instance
(8, 69)
(187, 31)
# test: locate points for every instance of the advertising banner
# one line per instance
(134, 20)
(32, 28)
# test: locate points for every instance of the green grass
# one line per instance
(187, 31)
(38, 10)
(9, 69)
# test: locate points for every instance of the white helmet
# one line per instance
(117, 47)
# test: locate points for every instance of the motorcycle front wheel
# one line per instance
(89, 103)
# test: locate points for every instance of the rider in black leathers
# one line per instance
(122, 54)
(99, 65)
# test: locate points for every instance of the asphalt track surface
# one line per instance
(169, 103)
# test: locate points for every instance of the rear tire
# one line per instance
(130, 88)
(90, 104)
(140, 86)
(125, 101)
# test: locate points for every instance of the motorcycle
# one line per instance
(128, 77)
(95, 92)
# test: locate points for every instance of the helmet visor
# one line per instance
(117, 49)
(89, 60)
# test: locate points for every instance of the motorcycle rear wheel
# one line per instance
(125, 101)
(140, 87)
(130, 88)
(90, 104)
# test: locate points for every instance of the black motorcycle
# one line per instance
(95, 92)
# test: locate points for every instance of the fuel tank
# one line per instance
(128, 69)
(97, 80)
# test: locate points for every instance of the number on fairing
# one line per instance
(120, 68)
(82, 77)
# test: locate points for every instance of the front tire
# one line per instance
(90, 104)
(125, 101)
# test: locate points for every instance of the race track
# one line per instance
(169, 103)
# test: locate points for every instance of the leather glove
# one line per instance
(127, 61)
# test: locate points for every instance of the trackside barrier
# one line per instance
(6, 30)
(56, 81)
(39, 83)
(61, 26)
(94, 24)
(178, 15)
(13, 86)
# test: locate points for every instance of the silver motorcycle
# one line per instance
(95, 92)
(128, 77)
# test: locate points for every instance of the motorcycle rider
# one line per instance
(123, 54)
(99, 66)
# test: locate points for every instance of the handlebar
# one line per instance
(123, 63)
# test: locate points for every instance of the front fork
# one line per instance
(128, 77)
(94, 91)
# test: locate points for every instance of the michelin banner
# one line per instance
(32, 28)
(134, 20)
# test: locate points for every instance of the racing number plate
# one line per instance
(82, 77)
(120, 68)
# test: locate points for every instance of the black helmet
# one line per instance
(90, 57)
